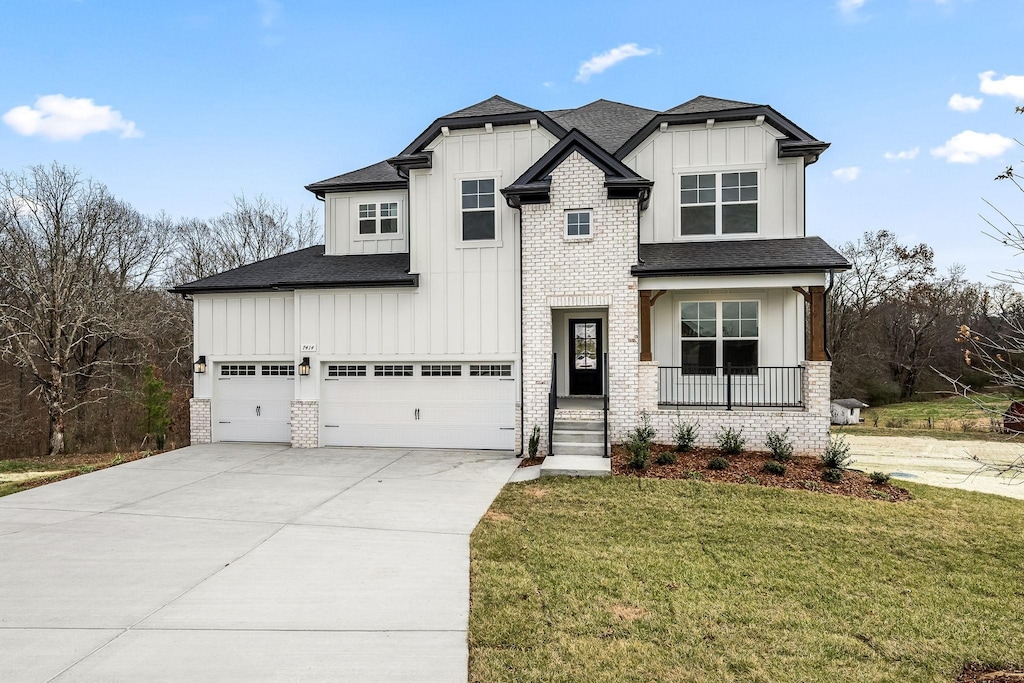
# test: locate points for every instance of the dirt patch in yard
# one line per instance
(981, 673)
(21, 474)
(748, 468)
(629, 612)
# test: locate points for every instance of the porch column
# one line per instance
(815, 296)
(645, 325)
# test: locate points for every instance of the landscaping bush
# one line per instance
(685, 435)
(833, 475)
(879, 478)
(731, 441)
(837, 454)
(780, 445)
(534, 442)
(156, 403)
(639, 442)
(775, 467)
(666, 458)
(718, 463)
(896, 422)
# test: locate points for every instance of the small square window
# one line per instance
(577, 224)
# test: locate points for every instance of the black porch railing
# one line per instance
(731, 386)
(604, 405)
(552, 401)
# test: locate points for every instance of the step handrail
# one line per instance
(552, 402)
(607, 453)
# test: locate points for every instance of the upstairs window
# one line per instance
(577, 224)
(478, 209)
(705, 211)
(378, 218)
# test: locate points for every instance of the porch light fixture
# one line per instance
(200, 365)
(304, 366)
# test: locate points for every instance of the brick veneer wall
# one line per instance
(808, 429)
(305, 424)
(200, 421)
(573, 273)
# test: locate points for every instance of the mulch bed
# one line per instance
(981, 673)
(748, 468)
(530, 462)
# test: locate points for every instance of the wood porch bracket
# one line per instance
(815, 296)
(647, 299)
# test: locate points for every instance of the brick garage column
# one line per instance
(647, 385)
(200, 423)
(305, 424)
(816, 387)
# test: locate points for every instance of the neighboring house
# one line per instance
(514, 268)
(846, 411)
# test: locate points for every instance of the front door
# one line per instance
(586, 368)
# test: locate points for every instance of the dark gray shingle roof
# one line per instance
(309, 268)
(607, 123)
(702, 104)
(376, 174)
(750, 256)
(490, 107)
(850, 403)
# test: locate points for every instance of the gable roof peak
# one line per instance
(495, 104)
(702, 104)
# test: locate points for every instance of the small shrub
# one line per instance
(810, 485)
(666, 458)
(639, 442)
(780, 445)
(837, 454)
(966, 425)
(694, 474)
(947, 424)
(118, 459)
(995, 425)
(775, 467)
(896, 422)
(881, 495)
(731, 441)
(879, 478)
(747, 479)
(718, 463)
(685, 434)
(833, 475)
(534, 445)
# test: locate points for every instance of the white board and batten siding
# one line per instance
(341, 223)
(725, 147)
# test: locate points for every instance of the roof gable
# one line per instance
(378, 176)
(702, 104)
(492, 106)
(607, 123)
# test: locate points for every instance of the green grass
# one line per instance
(941, 434)
(946, 413)
(620, 579)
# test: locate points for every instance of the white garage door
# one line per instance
(253, 402)
(419, 405)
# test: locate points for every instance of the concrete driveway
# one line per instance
(246, 562)
(938, 462)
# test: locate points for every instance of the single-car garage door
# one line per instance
(253, 402)
(418, 405)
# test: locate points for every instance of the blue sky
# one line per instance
(192, 102)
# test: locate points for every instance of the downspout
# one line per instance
(641, 198)
(824, 313)
(522, 406)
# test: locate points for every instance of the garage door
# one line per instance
(253, 402)
(419, 405)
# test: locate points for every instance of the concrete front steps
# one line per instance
(577, 450)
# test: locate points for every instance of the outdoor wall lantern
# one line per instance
(304, 366)
(200, 365)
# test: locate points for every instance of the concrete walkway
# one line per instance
(938, 462)
(246, 562)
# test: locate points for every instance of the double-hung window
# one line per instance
(478, 209)
(718, 203)
(379, 218)
(720, 334)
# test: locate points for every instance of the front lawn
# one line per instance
(622, 579)
(20, 474)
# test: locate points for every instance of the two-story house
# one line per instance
(514, 269)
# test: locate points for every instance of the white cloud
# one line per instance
(68, 118)
(1012, 86)
(968, 147)
(960, 102)
(846, 174)
(905, 155)
(606, 60)
(270, 12)
(849, 7)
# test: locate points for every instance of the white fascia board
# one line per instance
(784, 280)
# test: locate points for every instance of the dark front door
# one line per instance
(586, 367)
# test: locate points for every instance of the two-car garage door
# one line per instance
(418, 405)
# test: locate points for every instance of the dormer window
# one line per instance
(478, 209)
(705, 211)
(378, 218)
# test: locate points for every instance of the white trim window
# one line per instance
(705, 211)
(716, 334)
(578, 224)
(478, 209)
(378, 218)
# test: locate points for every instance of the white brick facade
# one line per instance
(305, 416)
(560, 273)
(200, 421)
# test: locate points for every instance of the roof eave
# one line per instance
(321, 189)
(413, 280)
(640, 271)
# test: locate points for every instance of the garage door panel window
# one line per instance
(346, 371)
(392, 371)
(495, 370)
(238, 371)
(441, 371)
(278, 370)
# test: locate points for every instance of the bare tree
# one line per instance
(74, 262)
